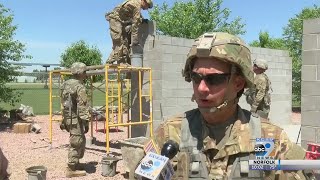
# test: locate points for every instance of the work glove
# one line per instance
(145, 21)
(86, 129)
(128, 29)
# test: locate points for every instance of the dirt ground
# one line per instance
(26, 150)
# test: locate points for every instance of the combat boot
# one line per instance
(72, 172)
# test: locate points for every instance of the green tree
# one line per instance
(265, 41)
(293, 40)
(10, 50)
(192, 18)
(81, 52)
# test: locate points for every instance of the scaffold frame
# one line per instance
(106, 70)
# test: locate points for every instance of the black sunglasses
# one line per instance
(211, 79)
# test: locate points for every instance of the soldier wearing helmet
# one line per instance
(75, 117)
(124, 22)
(259, 96)
(216, 139)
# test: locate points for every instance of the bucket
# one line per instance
(109, 166)
(37, 173)
(136, 59)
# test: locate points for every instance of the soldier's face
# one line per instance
(210, 90)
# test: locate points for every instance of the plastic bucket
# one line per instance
(136, 59)
(37, 173)
(109, 166)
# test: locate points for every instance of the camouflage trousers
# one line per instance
(120, 43)
(76, 150)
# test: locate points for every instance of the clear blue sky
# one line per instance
(49, 27)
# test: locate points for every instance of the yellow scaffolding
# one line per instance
(112, 95)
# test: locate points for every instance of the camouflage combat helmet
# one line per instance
(78, 68)
(261, 63)
(150, 3)
(224, 47)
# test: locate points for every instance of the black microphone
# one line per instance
(170, 149)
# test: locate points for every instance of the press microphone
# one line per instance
(170, 149)
(153, 165)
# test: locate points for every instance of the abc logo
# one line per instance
(146, 165)
(262, 149)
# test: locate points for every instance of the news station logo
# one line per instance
(263, 148)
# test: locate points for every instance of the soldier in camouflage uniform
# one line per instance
(217, 138)
(261, 99)
(124, 21)
(75, 117)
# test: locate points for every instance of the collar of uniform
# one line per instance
(237, 141)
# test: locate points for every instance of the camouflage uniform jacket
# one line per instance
(262, 96)
(129, 11)
(79, 110)
(237, 141)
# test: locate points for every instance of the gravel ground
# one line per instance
(26, 150)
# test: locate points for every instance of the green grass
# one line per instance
(36, 96)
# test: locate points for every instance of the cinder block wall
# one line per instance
(310, 90)
(172, 95)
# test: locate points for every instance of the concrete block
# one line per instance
(188, 42)
(165, 39)
(318, 70)
(177, 41)
(308, 133)
(264, 51)
(310, 103)
(288, 72)
(157, 116)
(310, 88)
(309, 42)
(167, 93)
(170, 49)
(309, 73)
(170, 75)
(184, 84)
(318, 135)
(179, 58)
(165, 57)
(310, 118)
(311, 57)
(184, 101)
(170, 101)
(182, 50)
(253, 56)
(156, 75)
(285, 53)
(311, 26)
(156, 65)
(172, 67)
(255, 50)
(261, 56)
(181, 93)
(157, 85)
(169, 84)
(156, 104)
